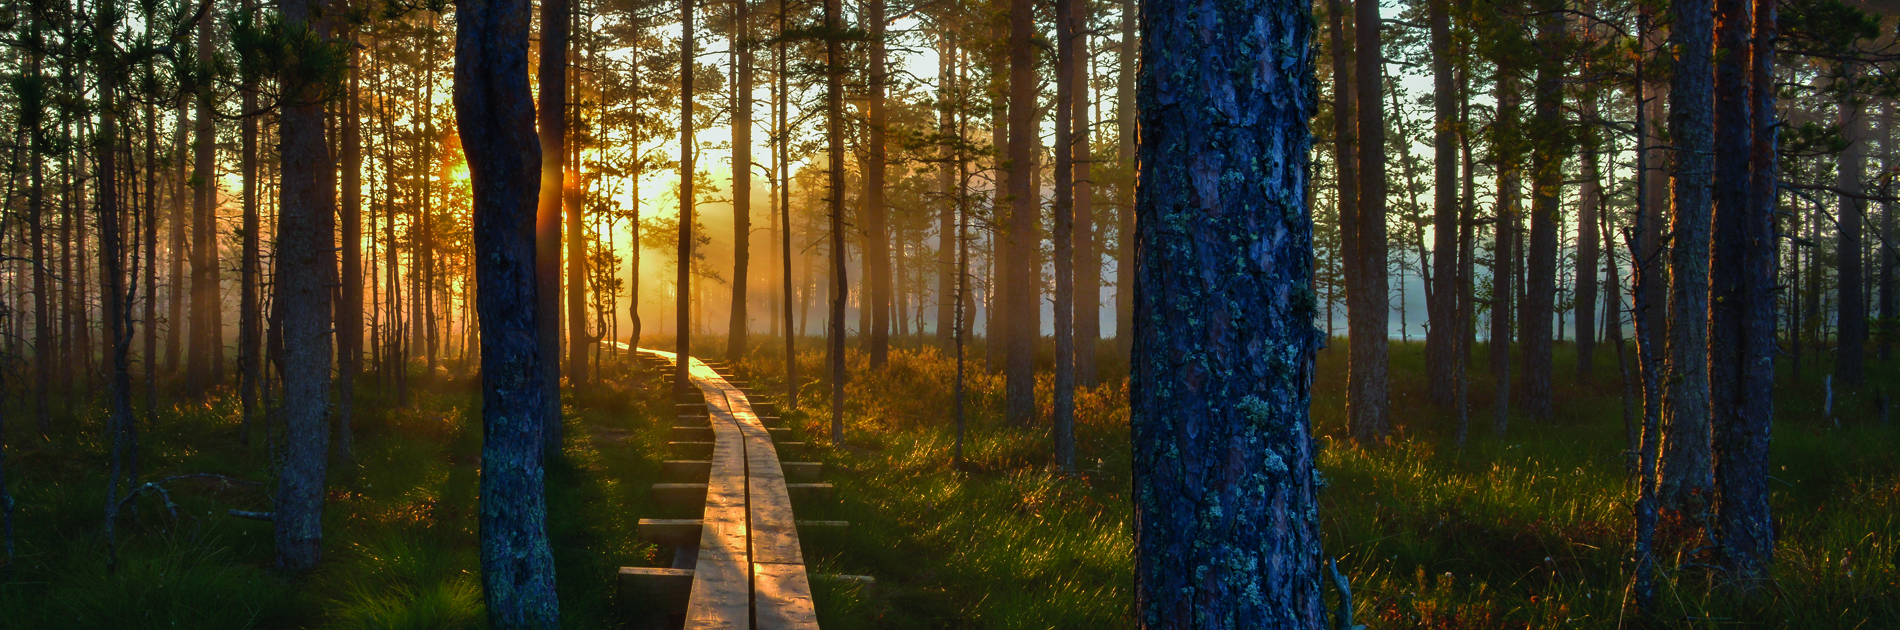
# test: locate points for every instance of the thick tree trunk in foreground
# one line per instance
(1686, 474)
(495, 116)
(306, 265)
(1226, 531)
(1366, 401)
(552, 77)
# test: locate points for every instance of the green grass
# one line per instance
(1528, 531)
(400, 549)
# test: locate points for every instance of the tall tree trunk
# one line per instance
(495, 117)
(349, 325)
(306, 237)
(877, 251)
(834, 141)
(1504, 237)
(1366, 402)
(572, 192)
(1743, 521)
(948, 104)
(782, 140)
(1063, 396)
(204, 258)
(250, 303)
(32, 118)
(1021, 271)
(683, 305)
(1540, 281)
(1227, 535)
(1087, 263)
(175, 323)
(1345, 156)
(1852, 317)
(741, 179)
(1589, 242)
(1687, 479)
(1442, 334)
(112, 280)
(551, 76)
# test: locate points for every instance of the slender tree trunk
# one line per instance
(32, 118)
(683, 306)
(306, 236)
(948, 103)
(1852, 317)
(1540, 281)
(1021, 271)
(736, 330)
(204, 272)
(495, 117)
(1504, 238)
(112, 283)
(1225, 102)
(349, 323)
(834, 141)
(551, 76)
(1067, 23)
(1686, 467)
(1087, 263)
(1441, 336)
(877, 253)
(1366, 402)
(781, 139)
(1889, 309)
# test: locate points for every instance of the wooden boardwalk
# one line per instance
(747, 568)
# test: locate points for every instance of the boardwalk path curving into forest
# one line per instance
(747, 569)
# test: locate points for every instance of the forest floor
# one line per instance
(1530, 531)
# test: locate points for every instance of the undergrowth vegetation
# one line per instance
(1528, 531)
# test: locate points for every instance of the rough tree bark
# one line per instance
(1743, 522)
(495, 116)
(1366, 400)
(306, 265)
(1686, 474)
(1227, 533)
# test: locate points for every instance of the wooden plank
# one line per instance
(721, 589)
(774, 531)
(782, 595)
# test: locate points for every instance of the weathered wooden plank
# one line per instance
(774, 531)
(721, 587)
(782, 595)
